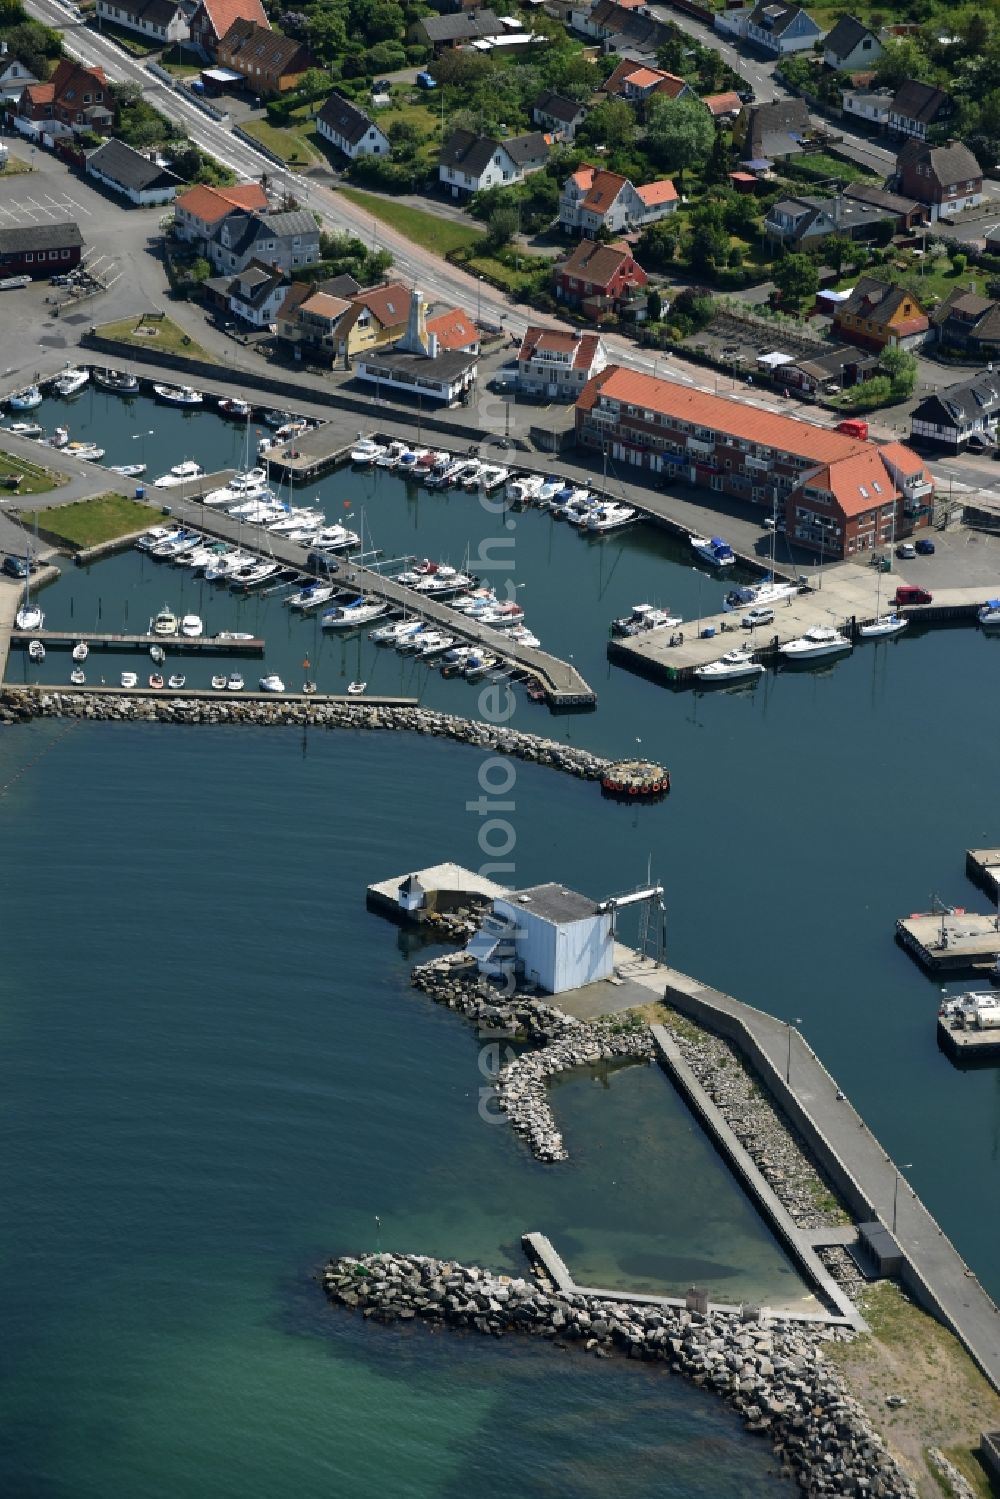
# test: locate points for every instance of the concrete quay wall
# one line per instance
(933, 1272)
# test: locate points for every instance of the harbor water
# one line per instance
(217, 1073)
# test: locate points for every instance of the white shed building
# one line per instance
(556, 938)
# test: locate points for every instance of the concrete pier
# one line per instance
(982, 865)
(440, 888)
(969, 1048)
(859, 1167)
(173, 645)
(563, 684)
(951, 942)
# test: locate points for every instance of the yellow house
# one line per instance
(342, 327)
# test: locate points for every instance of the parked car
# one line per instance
(906, 549)
(755, 617)
(908, 593)
(62, 280)
(925, 547)
(424, 80)
(16, 567)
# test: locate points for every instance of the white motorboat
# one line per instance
(81, 651)
(36, 650)
(275, 418)
(355, 689)
(157, 654)
(192, 626)
(336, 539)
(433, 642)
(26, 399)
(468, 477)
(129, 679)
(235, 406)
(70, 381)
(272, 683)
(523, 635)
(177, 680)
(609, 518)
(29, 617)
(59, 438)
(258, 574)
(760, 595)
(989, 613)
(392, 455)
(250, 484)
(302, 518)
(179, 474)
(78, 676)
(154, 536)
(178, 395)
(396, 633)
(219, 682)
(714, 550)
(235, 682)
(492, 476)
(164, 623)
(734, 665)
(156, 679)
(502, 616)
(524, 488)
(365, 451)
(127, 470)
(885, 625)
(443, 581)
(350, 616)
(234, 635)
(479, 663)
(257, 512)
(225, 564)
(818, 641)
(25, 429)
(644, 617)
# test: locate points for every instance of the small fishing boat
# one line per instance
(127, 470)
(157, 654)
(70, 381)
(734, 665)
(178, 395)
(644, 617)
(87, 450)
(714, 550)
(219, 683)
(885, 625)
(78, 676)
(59, 438)
(234, 406)
(235, 682)
(164, 623)
(356, 688)
(129, 679)
(365, 451)
(25, 429)
(989, 613)
(117, 381)
(275, 418)
(36, 650)
(177, 680)
(81, 651)
(155, 680)
(272, 683)
(234, 635)
(26, 399)
(192, 626)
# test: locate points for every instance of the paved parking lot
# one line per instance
(40, 207)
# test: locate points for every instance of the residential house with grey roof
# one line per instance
(348, 128)
(468, 163)
(962, 416)
(780, 29)
(917, 107)
(946, 179)
(285, 240)
(967, 324)
(131, 175)
(456, 30)
(775, 131)
(798, 223)
(161, 21)
(558, 115)
(851, 46)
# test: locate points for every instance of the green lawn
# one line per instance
(514, 281)
(931, 278)
(292, 143)
(37, 480)
(820, 164)
(15, 166)
(127, 40)
(167, 337)
(180, 62)
(442, 236)
(89, 522)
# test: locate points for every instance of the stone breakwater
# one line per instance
(774, 1375)
(520, 1084)
(17, 706)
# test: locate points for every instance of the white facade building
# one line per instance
(555, 938)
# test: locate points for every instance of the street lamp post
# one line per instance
(797, 1020)
(895, 1192)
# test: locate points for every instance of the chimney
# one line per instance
(414, 341)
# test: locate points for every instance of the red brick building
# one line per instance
(599, 278)
(837, 493)
(73, 100)
(269, 62)
(213, 19)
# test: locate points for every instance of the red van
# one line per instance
(907, 594)
(854, 427)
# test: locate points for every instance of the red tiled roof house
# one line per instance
(75, 99)
(599, 278)
(593, 199)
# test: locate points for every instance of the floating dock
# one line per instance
(969, 1047)
(982, 865)
(174, 645)
(951, 942)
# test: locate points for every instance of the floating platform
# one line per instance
(953, 942)
(982, 865)
(968, 1047)
(173, 645)
(629, 780)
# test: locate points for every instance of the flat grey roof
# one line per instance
(554, 903)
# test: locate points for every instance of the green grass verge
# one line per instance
(127, 40)
(89, 522)
(819, 164)
(292, 143)
(15, 166)
(439, 235)
(523, 279)
(36, 480)
(168, 337)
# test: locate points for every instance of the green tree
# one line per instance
(718, 165)
(902, 58)
(835, 252)
(901, 367)
(959, 260)
(611, 124)
(654, 307)
(200, 270)
(796, 277)
(657, 246)
(501, 226)
(680, 133)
